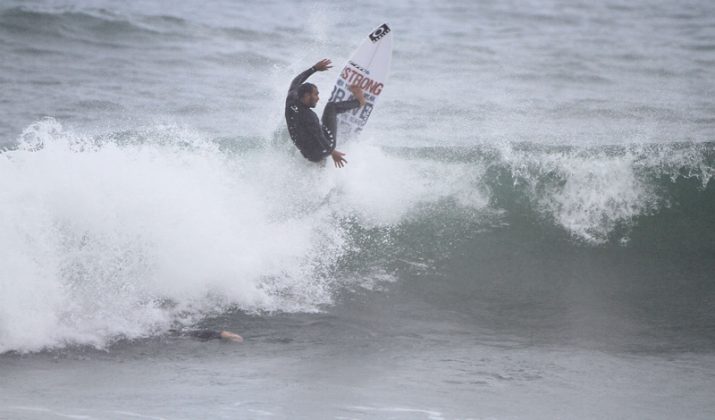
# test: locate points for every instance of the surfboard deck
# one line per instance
(368, 67)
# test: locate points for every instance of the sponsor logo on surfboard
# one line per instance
(368, 85)
(379, 32)
(362, 69)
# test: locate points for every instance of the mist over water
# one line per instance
(528, 216)
(128, 235)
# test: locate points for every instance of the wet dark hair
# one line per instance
(305, 88)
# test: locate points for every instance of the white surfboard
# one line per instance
(367, 67)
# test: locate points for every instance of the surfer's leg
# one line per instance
(330, 117)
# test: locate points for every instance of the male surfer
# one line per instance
(216, 335)
(315, 140)
(205, 335)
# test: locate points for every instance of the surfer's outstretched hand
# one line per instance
(323, 65)
(357, 93)
(338, 158)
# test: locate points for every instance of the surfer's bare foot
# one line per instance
(357, 93)
(229, 336)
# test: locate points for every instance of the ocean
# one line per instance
(524, 230)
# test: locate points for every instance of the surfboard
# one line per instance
(367, 67)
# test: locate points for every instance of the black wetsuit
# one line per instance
(314, 140)
(205, 335)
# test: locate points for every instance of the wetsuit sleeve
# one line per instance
(299, 79)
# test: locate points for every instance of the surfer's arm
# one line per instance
(216, 335)
(299, 79)
(321, 65)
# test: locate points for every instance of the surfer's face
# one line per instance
(313, 98)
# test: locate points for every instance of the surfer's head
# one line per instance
(308, 94)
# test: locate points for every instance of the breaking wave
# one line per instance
(124, 235)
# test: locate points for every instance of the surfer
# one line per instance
(316, 141)
(205, 335)
(216, 335)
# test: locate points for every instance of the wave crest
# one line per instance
(125, 234)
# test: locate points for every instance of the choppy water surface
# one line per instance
(524, 230)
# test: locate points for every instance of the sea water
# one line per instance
(525, 229)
